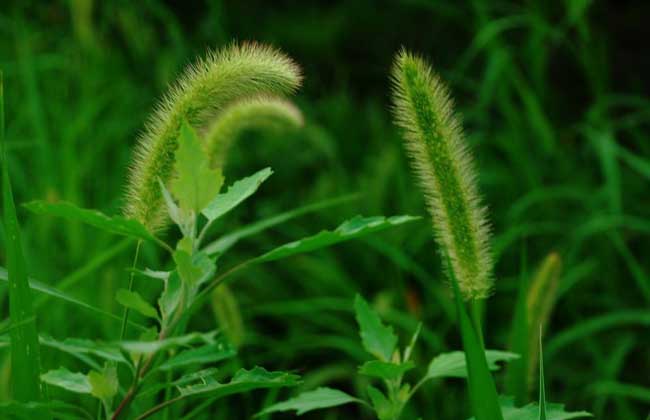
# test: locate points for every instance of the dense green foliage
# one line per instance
(554, 102)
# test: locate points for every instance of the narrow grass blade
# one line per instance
(542, 390)
(630, 391)
(25, 356)
(591, 326)
(482, 391)
(65, 297)
(542, 295)
(517, 374)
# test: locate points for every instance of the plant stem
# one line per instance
(168, 391)
(159, 407)
(475, 310)
(125, 316)
(140, 372)
(203, 295)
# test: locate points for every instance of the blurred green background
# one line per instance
(555, 101)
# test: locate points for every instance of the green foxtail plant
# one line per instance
(262, 113)
(206, 87)
(435, 142)
(439, 154)
(172, 174)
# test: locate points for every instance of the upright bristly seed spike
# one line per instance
(207, 86)
(435, 142)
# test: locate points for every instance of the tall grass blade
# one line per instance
(517, 376)
(25, 357)
(65, 297)
(482, 391)
(542, 390)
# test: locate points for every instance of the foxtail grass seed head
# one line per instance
(542, 294)
(255, 113)
(236, 72)
(436, 145)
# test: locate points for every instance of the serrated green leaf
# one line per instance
(210, 353)
(104, 385)
(81, 346)
(243, 381)
(531, 411)
(312, 400)
(71, 381)
(351, 229)
(117, 225)
(454, 364)
(482, 391)
(132, 300)
(226, 241)
(25, 354)
(385, 370)
(236, 194)
(154, 346)
(377, 339)
(195, 184)
(205, 375)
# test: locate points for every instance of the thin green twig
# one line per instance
(125, 316)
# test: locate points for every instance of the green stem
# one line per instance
(475, 310)
(168, 392)
(159, 407)
(125, 316)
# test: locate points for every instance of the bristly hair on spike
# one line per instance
(440, 158)
(256, 113)
(235, 72)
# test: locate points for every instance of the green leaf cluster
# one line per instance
(389, 368)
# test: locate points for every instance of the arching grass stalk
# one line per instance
(205, 88)
(439, 155)
(257, 113)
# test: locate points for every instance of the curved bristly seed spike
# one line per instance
(436, 145)
(206, 87)
(260, 113)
